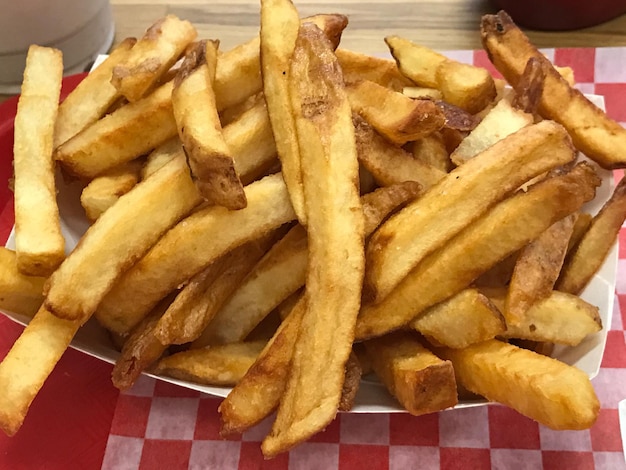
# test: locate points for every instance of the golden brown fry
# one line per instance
(233, 113)
(92, 98)
(526, 381)
(586, 258)
(216, 365)
(356, 66)
(40, 246)
(432, 151)
(152, 56)
(189, 247)
(118, 238)
(457, 118)
(208, 155)
(426, 224)
(530, 86)
(335, 230)
(420, 381)
(465, 318)
(160, 156)
(509, 226)
(583, 221)
(18, 293)
(422, 93)
(29, 363)
(123, 135)
(397, 117)
(593, 132)
(351, 383)
(537, 269)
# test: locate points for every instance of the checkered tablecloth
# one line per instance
(80, 421)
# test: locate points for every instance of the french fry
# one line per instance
(530, 86)
(462, 85)
(356, 66)
(466, 318)
(118, 238)
(160, 156)
(351, 383)
(419, 380)
(432, 151)
(233, 113)
(182, 252)
(216, 365)
(152, 56)
(18, 293)
(40, 246)
(593, 132)
(193, 101)
(426, 224)
(395, 116)
(335, 230)
(526, 381)
(583, 221)
(457, 118)
(92, 98)
(123, 135)
(509, 226)
(588, 255)
(422, 93)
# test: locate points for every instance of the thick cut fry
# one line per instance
(104, 190)
(18, 293)
(29, 363)
(118, 238)
(233, 113)
(395, 116)
(356, 66)
(539, 387)
(351, 383)
(432, 151)
(465, 318)
(421, 92)
(216, 365)
(152, 56)
(388, 163)
(505, 229)
(502, 121)
(423, 226)
(209, 158)
(586, 258)
(191, 246)
(593, 132)
(121, 136)
(419, 380)
(530, 86)
(583, 221)
(39, 243)
(465, 86)
(160, 156)
(92, 98)
(335, 230)
(537, 269)
(457, 118)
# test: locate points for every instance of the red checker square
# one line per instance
(165, 389)
(9, 332)
(209, 422)
(330, 434)
(158, 453)
(622, 252)
(251, 458)
(463, 458)
(581, 60)
(605, 434)
(560, 459)
(353, 456)
(510, 430)
(131, 416)
(614, 99)
(408, 430)
(615, 352)
(481, 60)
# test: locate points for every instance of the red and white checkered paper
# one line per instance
(80, 421)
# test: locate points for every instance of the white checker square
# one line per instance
(214, 455)
(588, 88)
(610, 386)
(616, 321)
(258, 432)
(620, 280)
(172, 418)
(610, 65)
(364, 428)
(143, 387)
(519, 459)
(403, 457)
(549, 53)
(564, 440)
(465, 57)
(465, 427)
(122, 453)
(314, 456)
(609, 461)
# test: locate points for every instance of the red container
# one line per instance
(561, 15)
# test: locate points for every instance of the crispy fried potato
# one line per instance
(152, 56)
(457, 118)
(593, 132)
(351, 383)
(589, 254)
(422, 93)
(216, 365)
(29, 363)
(537, 268)
(432, 151)
(420, 381)
(40, 246)
(583, 221)
(527, 382)
(465, 318)
(423, 226)
(530, 86)
(335, 230)
(18, 293)
(509, 226)
(121, 136)
(462, 85)
(92, 98)
(395, 116)
(160, 156)
(208, 155)
(356, 66)
(233, 113)
(118, 238)
(499, 275)
(183, 251)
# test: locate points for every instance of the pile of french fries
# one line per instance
(288, 216)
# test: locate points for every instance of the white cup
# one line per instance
(81, 29)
